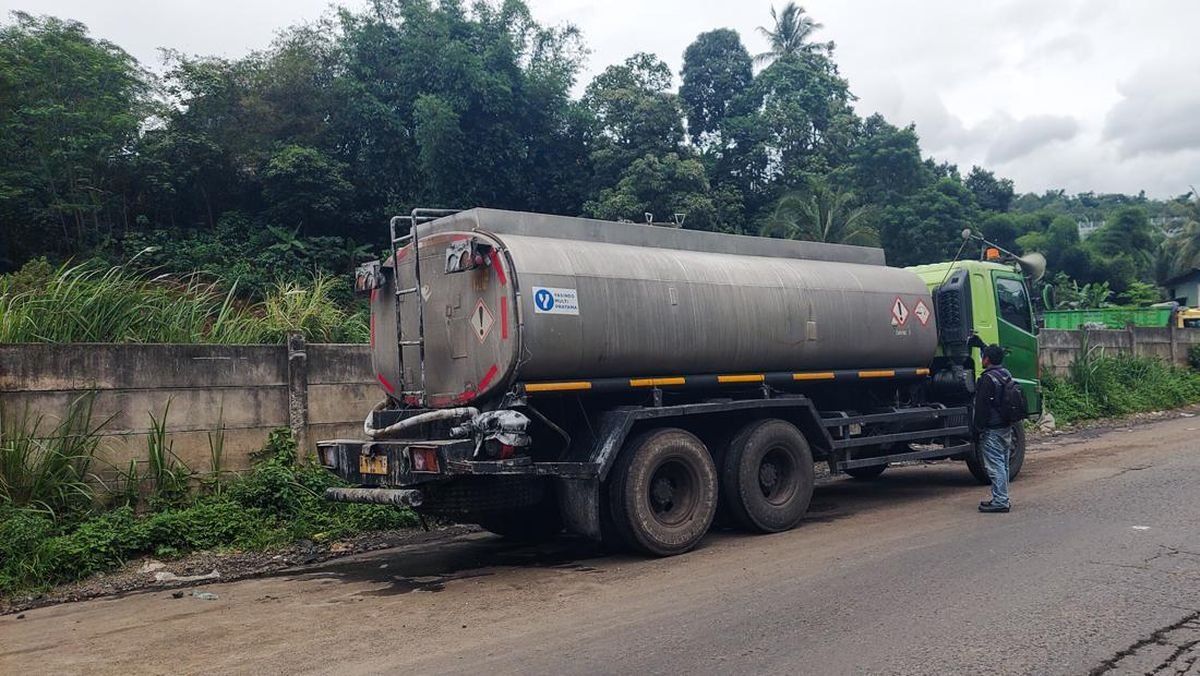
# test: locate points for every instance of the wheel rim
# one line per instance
(673, 492)
(777, 476)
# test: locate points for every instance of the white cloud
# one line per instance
(1021, 138)
(1159, 112)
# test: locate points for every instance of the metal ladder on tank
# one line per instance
(418, 216)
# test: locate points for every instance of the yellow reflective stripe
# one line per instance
(825, 375)
(653, 382)
(558, 387)
(742, 378)
(922, 372)
(876, 374)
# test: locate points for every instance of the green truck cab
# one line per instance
(1000, 313)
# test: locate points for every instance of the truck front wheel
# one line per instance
(663, 492)
(767, 476)
(1016, 457)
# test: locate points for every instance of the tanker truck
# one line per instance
(630, 383)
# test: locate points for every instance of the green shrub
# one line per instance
(1194, 357)
(1100, 386)
(94, 545)
(278, 501)
(22, 531)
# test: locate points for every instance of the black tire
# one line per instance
(528, 524)
(866, 473)
(1016, 458)
(663, 492)
(767, 476)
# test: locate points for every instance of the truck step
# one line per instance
(939, 452)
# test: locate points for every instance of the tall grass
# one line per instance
(169, 477)
(87, 303)
(49, 470)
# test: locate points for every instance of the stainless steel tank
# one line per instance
(551, 298)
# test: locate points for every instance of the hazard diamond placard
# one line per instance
(922, 312)
(899, 312)
(481, 320)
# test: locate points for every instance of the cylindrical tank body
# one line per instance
(572, 299)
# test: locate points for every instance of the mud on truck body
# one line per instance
(623, 382)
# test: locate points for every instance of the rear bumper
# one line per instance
(389, 464)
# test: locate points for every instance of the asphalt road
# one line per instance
(1097, 570)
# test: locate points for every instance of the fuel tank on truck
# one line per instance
(533, 297)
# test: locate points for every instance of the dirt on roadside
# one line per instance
(144, 573)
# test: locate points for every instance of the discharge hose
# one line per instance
(414, 421)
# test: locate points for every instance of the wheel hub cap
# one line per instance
(662, 493)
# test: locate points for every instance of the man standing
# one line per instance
(995, 431)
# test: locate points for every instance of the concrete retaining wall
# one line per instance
(1061, 348)
(320, 391)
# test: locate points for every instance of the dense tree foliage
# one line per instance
(291, 159)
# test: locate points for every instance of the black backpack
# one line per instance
(1009, 399)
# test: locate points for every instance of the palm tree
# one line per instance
(821, 214)
(791, 34)
(1180, 253)
(1188, 251)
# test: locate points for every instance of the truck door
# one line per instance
(1018, 334)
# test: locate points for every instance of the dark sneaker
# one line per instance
(989, 508)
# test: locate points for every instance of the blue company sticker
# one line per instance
(548, 300)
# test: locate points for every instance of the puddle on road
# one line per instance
(430, 568)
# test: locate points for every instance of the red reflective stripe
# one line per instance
(503, 317)
(386, 385)
(498, 268)
(373, 292)
(487, 377)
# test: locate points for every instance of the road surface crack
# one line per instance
(1172, 551)
(1177, 663)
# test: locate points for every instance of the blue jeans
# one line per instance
(997, 445)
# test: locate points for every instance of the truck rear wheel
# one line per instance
(767, 476)
(663, 492)
(1016, 458)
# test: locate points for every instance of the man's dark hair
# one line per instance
(994, 354)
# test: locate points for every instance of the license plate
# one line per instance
(372, 464)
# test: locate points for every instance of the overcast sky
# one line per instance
(1099, 95)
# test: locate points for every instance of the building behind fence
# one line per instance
(319, 391)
